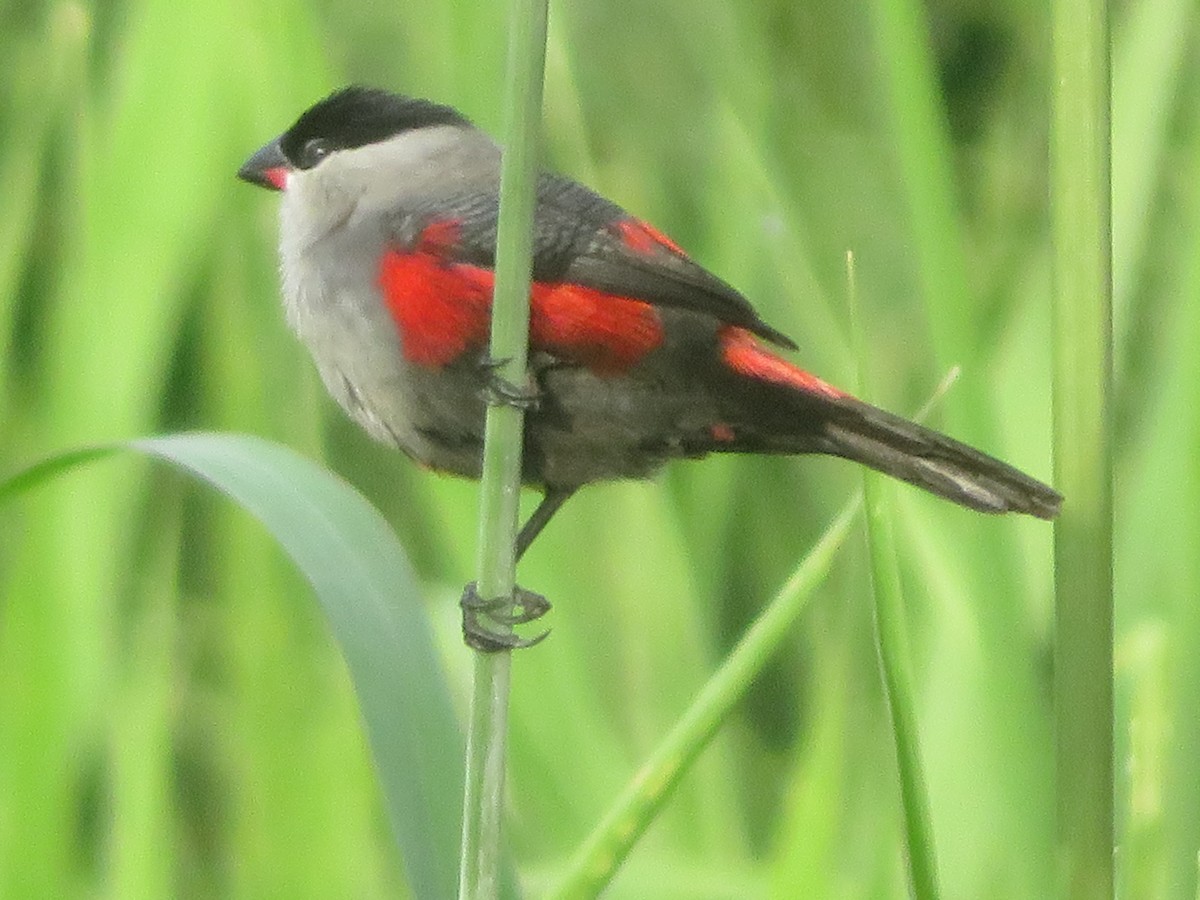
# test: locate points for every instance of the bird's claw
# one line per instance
(523, 606)
(499, 391)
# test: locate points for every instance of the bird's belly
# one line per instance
(598, 428)
(587, 426)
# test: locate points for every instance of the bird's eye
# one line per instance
(313, 152)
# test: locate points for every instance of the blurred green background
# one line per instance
(174, 718)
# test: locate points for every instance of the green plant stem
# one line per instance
(597, 860)
(895, 654)
(483, 797)
(1083, 668)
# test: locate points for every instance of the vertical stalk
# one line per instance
(1083, 669)
(892, 644)
(483, 800)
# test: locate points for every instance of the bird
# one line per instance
(637, 354)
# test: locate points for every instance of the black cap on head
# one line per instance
(356, 116)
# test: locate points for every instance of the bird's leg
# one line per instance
(523, 606)
(499, 391)
(552, 502)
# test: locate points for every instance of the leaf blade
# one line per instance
(357, 569)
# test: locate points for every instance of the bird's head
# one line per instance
(352, 127)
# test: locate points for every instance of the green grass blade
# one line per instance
(895, 651)
(1082, 245)
(45, 470)
(363, 582)
(597, 860)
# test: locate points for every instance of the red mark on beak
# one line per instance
(277, 176)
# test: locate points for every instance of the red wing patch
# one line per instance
(440, 309)
(443, 309)
(606, 333)
(643, 238)
(743, 353)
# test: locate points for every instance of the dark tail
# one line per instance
(783, 409)
(933, 461)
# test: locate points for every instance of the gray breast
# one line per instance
(333, 235)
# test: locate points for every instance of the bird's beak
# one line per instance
(267, 168)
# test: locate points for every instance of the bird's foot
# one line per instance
(523, 606)
(499, 391)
